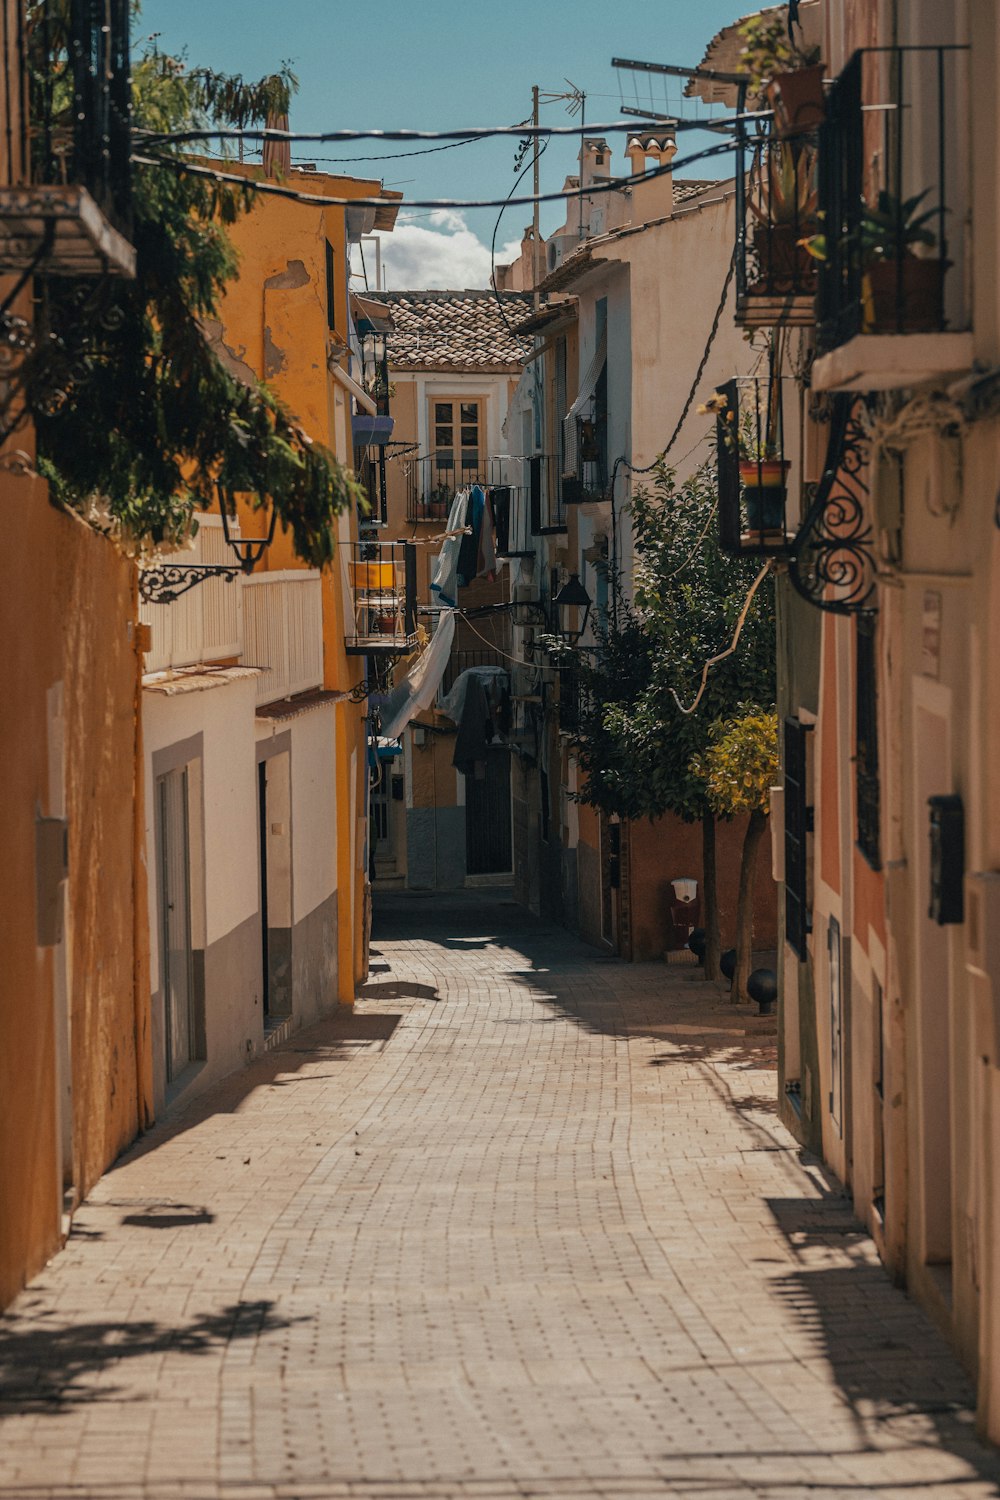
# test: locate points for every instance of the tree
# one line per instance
(738, 769)
(637, 743)
(146, 420)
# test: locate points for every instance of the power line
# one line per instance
(390, 156)
(470, 133)
(273, 189)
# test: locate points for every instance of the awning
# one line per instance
(586, 394)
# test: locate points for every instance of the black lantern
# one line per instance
(166, 582)
(249, 549)
(571, 598)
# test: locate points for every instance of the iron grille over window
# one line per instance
(866, 778)
(798, 823)
(892, 195)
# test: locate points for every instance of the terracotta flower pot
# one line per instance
(905, 296)
(797, 100)
(764, 494)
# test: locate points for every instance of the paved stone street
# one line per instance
(524, 1224)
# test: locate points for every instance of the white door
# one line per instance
(176, 956)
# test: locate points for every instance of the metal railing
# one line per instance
(777, 203)
(759, 477)
(84, 137)
(433, 481)
(894, 195)
(462, 661)
(383, 578)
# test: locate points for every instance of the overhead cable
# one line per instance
(470, 133)
(190, 168)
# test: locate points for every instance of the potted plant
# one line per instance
(783, 199)
(788, 76)
(757, 442)
(901, 290)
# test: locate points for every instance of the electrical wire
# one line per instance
(493, 242)
(389, 156)
(320, 200)
(472, 133)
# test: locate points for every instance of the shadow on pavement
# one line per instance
(48, 1368)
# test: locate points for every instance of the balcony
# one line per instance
(65, 191)
(273, 621)
(384, 591)
(893, 307)
(776, 208)
(759, 477)
(463, 661)
(433, 481)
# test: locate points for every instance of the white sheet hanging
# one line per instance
(586, 394)
(417, 690)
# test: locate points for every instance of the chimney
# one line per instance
(653, 199)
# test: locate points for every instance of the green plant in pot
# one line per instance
(756, 440)
(902, 290)
(788, 76)
(783, 199)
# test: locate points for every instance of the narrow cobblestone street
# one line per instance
(524, 1224)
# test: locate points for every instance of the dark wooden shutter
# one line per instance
(866, 776)
(798, 823)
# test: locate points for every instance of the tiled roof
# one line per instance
(460, 330)
(690, 187)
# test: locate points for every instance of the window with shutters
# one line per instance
(798, 825)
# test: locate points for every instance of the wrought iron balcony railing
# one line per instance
(462, 660)
(776, 209)
(758, 479)
(65, 183)
(384, 589)
(433, 481)
(894, 196)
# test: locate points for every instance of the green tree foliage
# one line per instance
(737, 768)
(740, 764)
(147, 420)
(636, 744)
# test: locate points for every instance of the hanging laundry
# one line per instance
(446, 579)
(468, 555)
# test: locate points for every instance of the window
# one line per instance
(798, 823)
(331, 289)
(456, 438)
(866, 779)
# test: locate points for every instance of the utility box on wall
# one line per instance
(947, 835)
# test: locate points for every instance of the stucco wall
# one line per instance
(67, 608)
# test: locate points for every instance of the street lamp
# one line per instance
(571, 598)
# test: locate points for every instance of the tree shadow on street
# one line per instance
(46, 1367)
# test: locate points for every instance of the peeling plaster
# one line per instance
(290, 280)
(229, 358)
(274, 358)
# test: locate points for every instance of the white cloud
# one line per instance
(437, 252)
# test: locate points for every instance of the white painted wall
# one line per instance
(224, 716)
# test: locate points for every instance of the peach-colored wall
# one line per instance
(666, 849)
(67, 610)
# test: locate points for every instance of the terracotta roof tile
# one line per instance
(461, 330)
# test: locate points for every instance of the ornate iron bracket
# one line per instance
(164, 585)
(833, 556)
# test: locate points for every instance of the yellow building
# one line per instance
(254, 701)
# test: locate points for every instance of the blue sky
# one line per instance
(401, 64)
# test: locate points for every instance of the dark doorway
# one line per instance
(488, 843)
